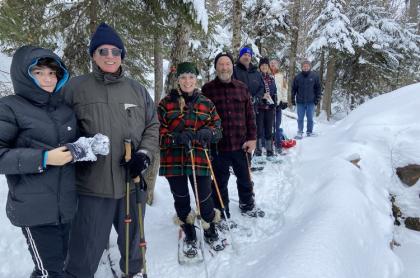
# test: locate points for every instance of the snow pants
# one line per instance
(48, 247)
(265, 118)
(90, 231)
(179, 189)
(221, 163)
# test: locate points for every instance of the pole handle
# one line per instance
(127, 147)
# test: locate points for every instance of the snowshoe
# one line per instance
(238, 229)
(224, 225)
(213, 239)
(258, 160)
(311, 134)
(275, 159)
(257, 168)
(189, 250)
(254, 212)
(299, 136)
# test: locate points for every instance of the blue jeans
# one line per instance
(278, 132)
(308, 109)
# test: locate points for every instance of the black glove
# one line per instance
(204, 136)
(184, 138)
(293, 102)
(316, 102)
(137, 164)
(283, 105)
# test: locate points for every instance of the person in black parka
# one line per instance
(266, 107)
(34, 126)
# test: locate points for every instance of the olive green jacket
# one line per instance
(119, 108)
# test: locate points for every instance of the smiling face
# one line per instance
(274, 66)
(224, 69)
(245, 59)
(306, 67)
(187, 82)
(108, 58)
(264, 68)
(46, 77)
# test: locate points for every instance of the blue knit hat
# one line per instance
(245, 50)
(105, 34)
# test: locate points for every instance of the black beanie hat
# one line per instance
(186, 67)
(105, 34)
(221, 54)
(263, 61)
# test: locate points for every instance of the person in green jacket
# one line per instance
(108, 102)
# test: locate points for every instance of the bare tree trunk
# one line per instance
(413, 13)
(329, 84)
(293, 45)
(236, 27)
(180, 48)
(158, 60)
(151, 173)
(413, 10)
(179, 51)
(321, 78)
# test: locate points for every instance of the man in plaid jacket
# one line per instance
(233, 103)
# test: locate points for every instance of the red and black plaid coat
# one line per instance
(233, 103)
(198, 113)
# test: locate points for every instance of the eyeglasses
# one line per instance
(105, 52)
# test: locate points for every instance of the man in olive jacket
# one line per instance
(107, 102)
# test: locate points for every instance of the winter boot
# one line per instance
(269, 147)
(258, 150)
(211, 236)
(251, 210)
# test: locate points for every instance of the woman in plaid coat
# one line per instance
(189, 122)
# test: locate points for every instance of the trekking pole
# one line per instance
(197, 202)
(219, 196)
(127, 220)
(141, 188)
(249, 172)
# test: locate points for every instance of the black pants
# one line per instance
(221, 163)
(90, 231)
(179, 189)
(48, 247)
(265, 119)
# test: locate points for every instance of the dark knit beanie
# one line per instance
(186, 67)
(263, 61)
(105, 34)
(245, 50)
(221, 54)
(306, 61)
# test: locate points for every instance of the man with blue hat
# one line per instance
(108, 102)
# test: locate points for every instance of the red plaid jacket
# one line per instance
(233, 103)
(174, 160)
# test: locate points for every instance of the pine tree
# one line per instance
(332, 32)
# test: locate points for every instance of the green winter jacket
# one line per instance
(120, 108)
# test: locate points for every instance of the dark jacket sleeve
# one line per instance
(214, 123)
(294, 88)
(150, 137)
(16, 160)
(251, 126)
(260, 89)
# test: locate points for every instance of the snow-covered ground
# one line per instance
(325, 217)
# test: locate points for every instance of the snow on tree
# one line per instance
(332, 30)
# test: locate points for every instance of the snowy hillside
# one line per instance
(325, 217)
